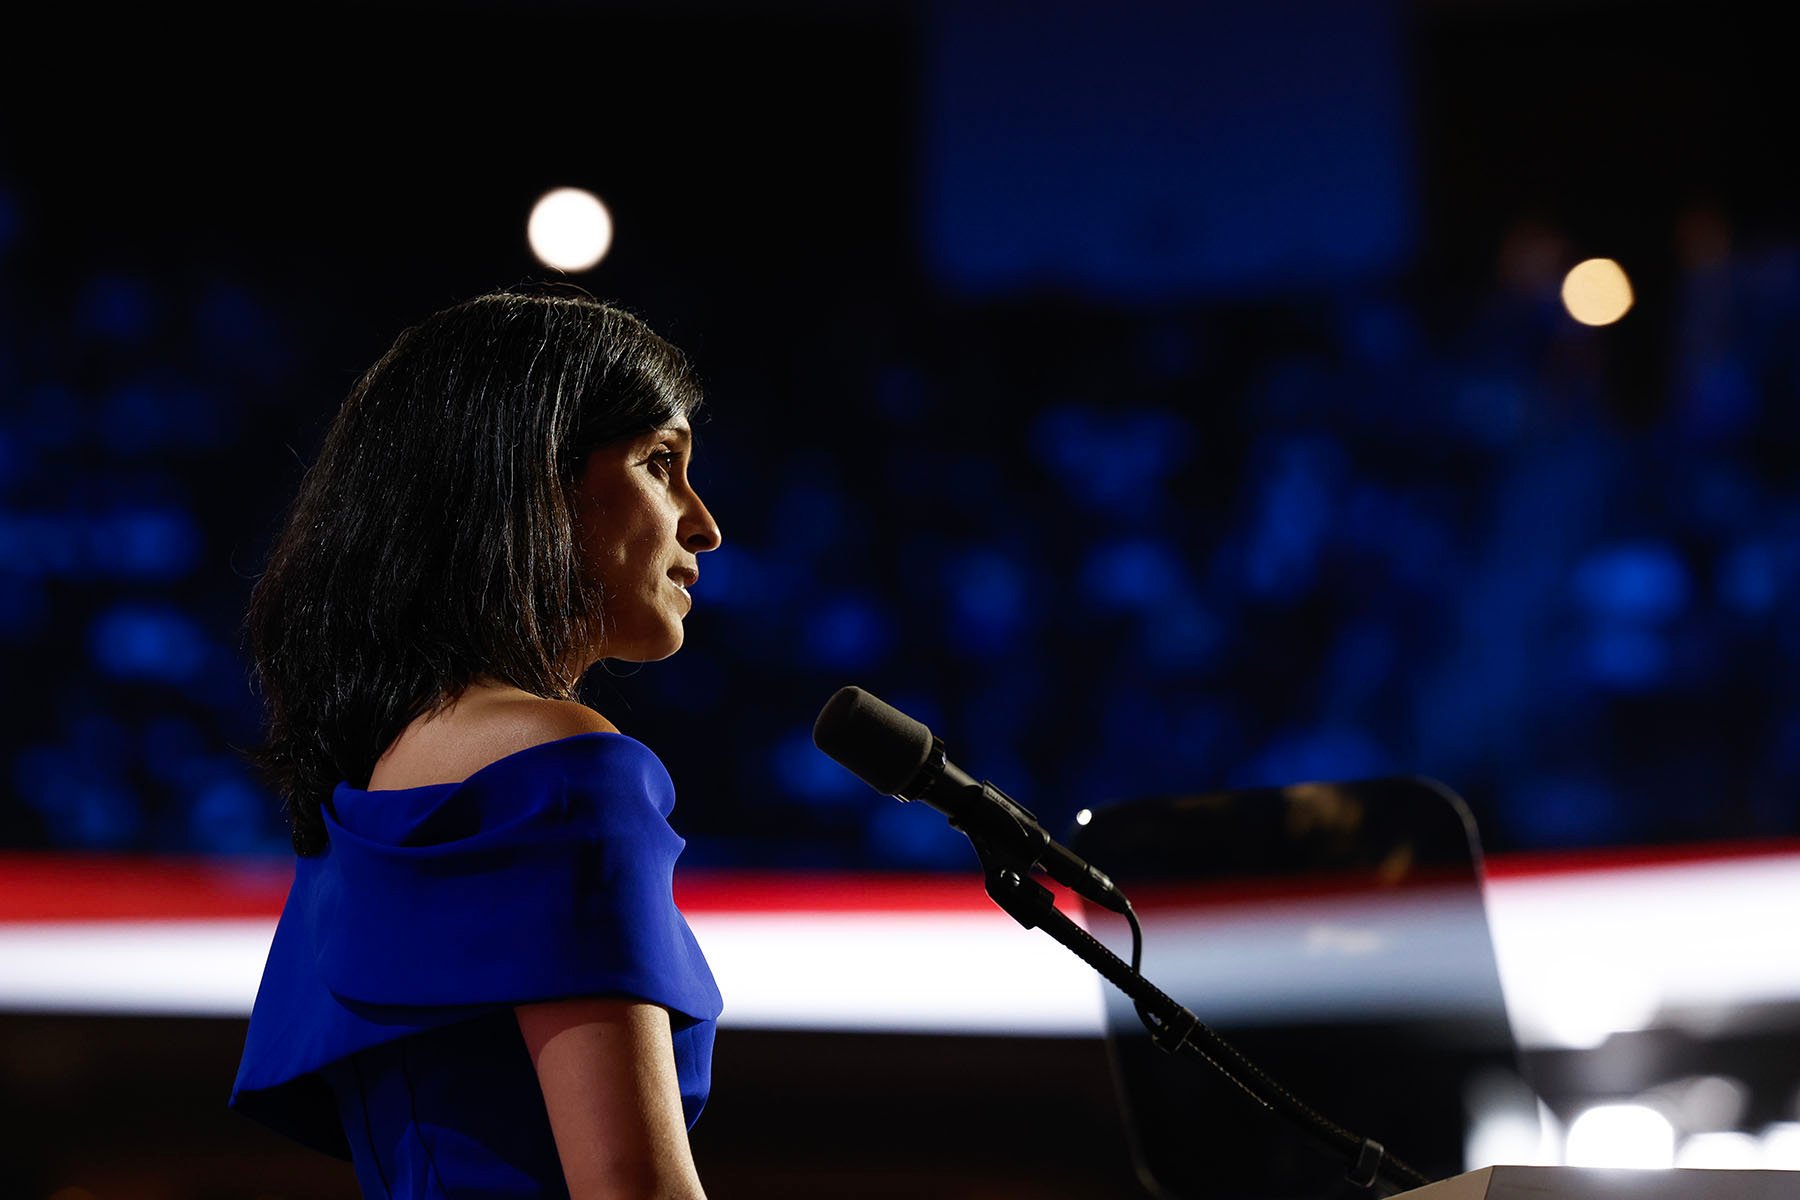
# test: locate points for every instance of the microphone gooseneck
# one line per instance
(895, 754)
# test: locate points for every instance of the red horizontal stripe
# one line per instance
(828, 891)
(1625, 858)
(43, 886)
(95, 887)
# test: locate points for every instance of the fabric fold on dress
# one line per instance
(545, 875)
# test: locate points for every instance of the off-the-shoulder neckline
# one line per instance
(344, 786)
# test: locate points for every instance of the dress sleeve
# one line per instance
(546, 875)
(554, 880)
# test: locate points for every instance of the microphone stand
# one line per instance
(1173, 1029)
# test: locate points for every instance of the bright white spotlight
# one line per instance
(1596, 292)
(1720, 1152)
(1781, 1146)
(1084, 816)
(1620, 1135)
(569, 229)
(1583, 1001)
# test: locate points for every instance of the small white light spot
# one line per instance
(1620, 1135)
(1710, 1103)
(569, 229)
(1596, 292)
(1084, 816)
(1507, 1123)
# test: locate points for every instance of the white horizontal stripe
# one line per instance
(1581, 955)
(1595, 953)
(191, 968)
(946, 972)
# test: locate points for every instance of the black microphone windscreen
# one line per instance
(879, 744)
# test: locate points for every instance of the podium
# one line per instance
(1594, 1183)
(1336, 933)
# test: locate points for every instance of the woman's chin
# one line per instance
(645, 649)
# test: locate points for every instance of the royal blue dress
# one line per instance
(383, 1030)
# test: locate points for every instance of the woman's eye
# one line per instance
(666, 459)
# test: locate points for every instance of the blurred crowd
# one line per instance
(1103, 551)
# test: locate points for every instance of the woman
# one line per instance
(480, 985)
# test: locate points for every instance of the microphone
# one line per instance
(893, 753)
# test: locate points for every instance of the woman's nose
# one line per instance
(703, 534)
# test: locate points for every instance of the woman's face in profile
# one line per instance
(641, 527)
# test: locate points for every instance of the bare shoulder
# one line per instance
(482, 727)
(522, 720)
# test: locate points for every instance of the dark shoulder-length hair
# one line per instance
(432, 542)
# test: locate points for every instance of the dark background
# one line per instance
(1166, 400)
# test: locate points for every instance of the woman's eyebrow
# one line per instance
(679, 434)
